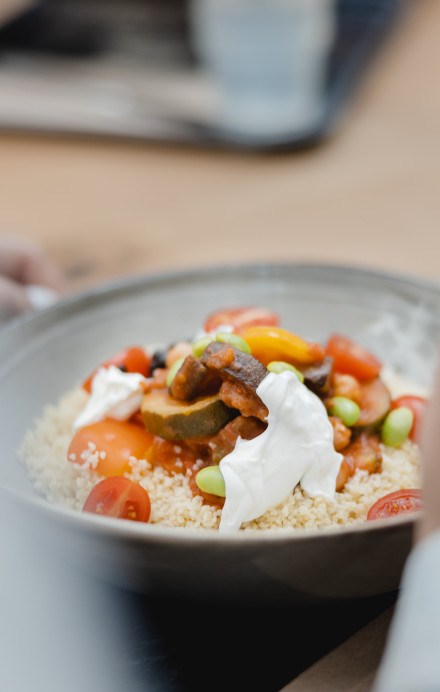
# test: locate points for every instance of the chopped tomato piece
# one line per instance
(133, 359)
(363, 453)
(341, 433)
(173, 456)
(274, 344)
(116, 441)
(375, 402)
(119, 497)
(351, 358)
(241, 318)
(418, 405)
(399, 502)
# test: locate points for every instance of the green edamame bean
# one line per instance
(397, 426)
(278, 366)
(210, 480)
(345, 409)
(234, 340)
(173, 370)
(199, 346)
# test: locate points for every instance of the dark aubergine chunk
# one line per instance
(317, 377)
(234, 365)
(241, 375)
(189, 379)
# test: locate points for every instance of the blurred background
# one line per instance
(116, 155)
(139, 136)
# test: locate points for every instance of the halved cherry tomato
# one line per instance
(399, 502)
(133, 359)
(418, 405)
(272, 343)
(351, 358)
(119, 497)
(116, 440)
(241, 318)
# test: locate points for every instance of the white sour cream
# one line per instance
(296, 447)
(115, 394)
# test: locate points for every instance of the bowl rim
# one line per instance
(104, 290)
(153, 532)
(156, 533)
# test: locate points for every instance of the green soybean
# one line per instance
(173, 370)
(199, 346)
(345, 409)
(397, 426)
(278, 366)
(210, 480)
(234, 340)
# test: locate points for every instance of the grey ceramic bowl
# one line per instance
(45, 355)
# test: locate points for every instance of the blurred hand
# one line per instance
(431, 464)
(23, 264)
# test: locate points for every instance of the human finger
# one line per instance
(13, 299)
(25, 262)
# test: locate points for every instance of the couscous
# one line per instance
(196, 406)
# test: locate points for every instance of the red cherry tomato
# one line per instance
(133, 359)
(241, 318)
(116, 440)
(399, 502)
(351, 358)
(119, 497)
(418, 405)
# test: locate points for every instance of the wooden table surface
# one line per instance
(369, 196)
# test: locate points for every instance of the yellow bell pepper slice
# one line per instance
(272, 343)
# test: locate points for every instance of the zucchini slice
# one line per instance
(177, 420)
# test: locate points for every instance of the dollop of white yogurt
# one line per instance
(296, 447)
(114, 394)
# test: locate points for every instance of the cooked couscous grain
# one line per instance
(67, 484)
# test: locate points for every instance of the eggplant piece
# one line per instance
(317, 377)
(375, 402)
(177, 420)
(241, 375)
(188, 380)
(234, 365)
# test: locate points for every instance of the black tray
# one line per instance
(38, 88)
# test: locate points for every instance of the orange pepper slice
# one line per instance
(272, 343)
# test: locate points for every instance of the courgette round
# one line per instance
(177, 420)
